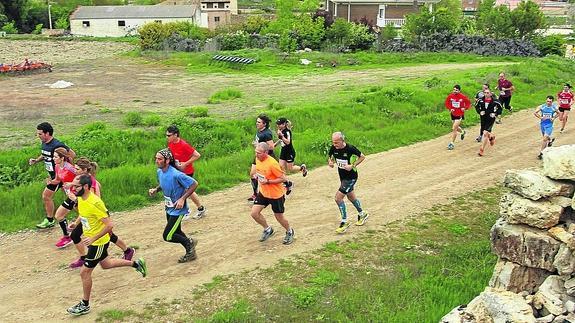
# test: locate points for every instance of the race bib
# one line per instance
(455, 104)
(547, 115)
(341, 163)
(168, 201)
(85, 223)
(564, 101)
(48, 166)
(260, 177)
(502, 93)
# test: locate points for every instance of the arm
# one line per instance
(33, 161)
(271, 144)
(467, 103)
(283, 138)
(195, 156)
(107, 229)
(537, 114)
(448, 103)
(180, 202)
(357, 162)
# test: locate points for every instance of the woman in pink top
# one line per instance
(65, 173)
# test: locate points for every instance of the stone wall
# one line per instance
(534, 278)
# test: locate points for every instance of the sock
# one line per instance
(134, 264)
(50, 219)
(255, 185)
(87, 303)
(268, 229)
(127, 250)
(64, 226)
(343, 211)
(201, 208)
(357, 205)
(83, 257)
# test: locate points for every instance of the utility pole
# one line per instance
(49, 14)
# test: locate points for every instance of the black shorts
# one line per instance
(564, 109)
(347, 185)
(54, 187)
(95, 255)
(68, 204)
(288, 155)
(457, 117)
(277, 204)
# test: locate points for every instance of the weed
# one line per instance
(113, 315)
(196, 112)
(133, 119)
(224, 95)
(152, 120)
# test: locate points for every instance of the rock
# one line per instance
(564, 260)
(546, 319)
(560, 234)
(534, 185)
(515, 278)
(524, 245)
(494, 305)
(569, 318)
(304, 61)
(61, 84)
(570, 286)
(559, 162)
(570, 306)
(541, 214)
(458, 315)
(552, 295)
(307, 50)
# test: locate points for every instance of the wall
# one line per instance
(110, 28)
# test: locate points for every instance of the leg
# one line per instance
(484, 141)
(86, 275)
(293, 168)
(254, 180)
(256, 214)
(194, 197)
(353, 199)
(282, 220)
(173, 232)
(454, 128)
(47, 198)
(564, 121)
(341, 205)
(118, 242)
(113, 263)
(60, 216)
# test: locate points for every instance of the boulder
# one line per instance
(559, 162)
(570, 286)
(524, 245)
(545, 319)
(534, 185)
(559, 233)
(494, 305)
(564, 261)
(541, 214)
(552, 296)
(569, 318)
(515, 278)
(458, 315)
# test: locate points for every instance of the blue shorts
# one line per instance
(347, 185)
(546, 129)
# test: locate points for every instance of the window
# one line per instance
(121, 23)
(204, 6)
(85, 23)
(158, 21)
(217, 19)
(381, 13)
(227, 6)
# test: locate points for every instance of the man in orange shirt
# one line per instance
(270, 177)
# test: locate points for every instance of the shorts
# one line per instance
(347, 185)
(457, 117)
(288, 155)
(277, 204)
(564, 109)
(54, 187)
(546, 129)
(68, 204)
(95, 255)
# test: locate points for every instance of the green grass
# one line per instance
(375, 118)
(133, 39)
(224, 95)
(370, 278)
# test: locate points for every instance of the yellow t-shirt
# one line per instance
(270, 169)
(92, 210)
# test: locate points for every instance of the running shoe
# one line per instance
(64, 242)
(540, 156)
(190, 252)
(481, 152)
(79, 309)
(551, 142)
(463, 134)
(562, 129)
(289, 187)
(289, 237)
(252, 198)
(142, 268)
(478, 139)
(266, 234)
(303, 170)
(77, 264)
(450, 146)
(498, 121)
(492, 140)
(342, 227)
(129, 253)
(362, 218)
(200, 213)
(45, 224)
(186, 217)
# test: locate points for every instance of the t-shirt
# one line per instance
(174, 183)
(458, 102)
(270, 169)
(66, 173)
(547, 112)
(48, 154)
(287, 135)
(95, 185)
(92, 210)
(565, 99)
(264, 136)
(501, 84)
(182, 152)
(343, 157)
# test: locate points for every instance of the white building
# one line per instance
(119, 21)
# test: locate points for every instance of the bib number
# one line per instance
(455, 104)
(48, 166)
(261, 178)
(341, 163)
(168, 201)
(85, 223)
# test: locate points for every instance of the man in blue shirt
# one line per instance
(177, 187)
(547, 113)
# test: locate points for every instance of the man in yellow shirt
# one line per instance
(97, 226)
(270, 177)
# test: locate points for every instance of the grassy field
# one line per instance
(380, 117)
(415, 270)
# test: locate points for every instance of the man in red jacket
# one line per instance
(457, 103)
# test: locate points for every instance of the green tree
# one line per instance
(497, 23)
(527, 18)
(426, 23)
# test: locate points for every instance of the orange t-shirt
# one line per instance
(270, 169)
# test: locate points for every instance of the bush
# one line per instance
(350, 35)
(233, 41)
(10, 28)
(388, 33)
(224, 95)
(197, 112)
(152, 35)
(133, 119)
(255, 24)
(62, 23)
(178, 43)
(550, 45)
(38, 29)
(152, 120)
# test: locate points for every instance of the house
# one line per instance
(469, 7)
(214, 13)
(119, 21)
(377, 12)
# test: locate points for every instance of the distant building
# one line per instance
(214, 13)
(469, 7)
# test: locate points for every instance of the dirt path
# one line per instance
(34, 285)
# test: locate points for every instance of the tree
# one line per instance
(527, 18)
(496, 23)
(440, 20)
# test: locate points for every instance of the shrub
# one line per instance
(10, 28)
(224, 95)
(550, 45)
(133, 119)
(255, 24)
(388, 33)
(152, 36)
(152, 120)
(233, 41)
(197, 112)
(38, 29)
(360, 37)
(350, 35)
(178, 43)
(62, 23)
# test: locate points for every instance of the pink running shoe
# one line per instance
(64, 242)
(77, 264)
(129, 253)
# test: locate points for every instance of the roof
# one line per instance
(400, 2)
(118, 12)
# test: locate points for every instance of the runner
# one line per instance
(97, 226)
(270, 176)
(287, 154)
(45, 133)
(547, 113)
(343, 155)
(565, 99)
(185, 156)
(85, 166)
(506, 89)
(177, 187)
(487, 108)
(263, 134)
(457, 103)
(478, 96)
(65, 173)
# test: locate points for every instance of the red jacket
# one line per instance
(458, 103)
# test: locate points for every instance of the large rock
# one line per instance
(542, 214)
(524, 245)
(559, 162)
(515, 278)
(458, 315)
(559, 233)
(552, 296)
(534, 185)
(494, 305)
(570, 286)
(564, 261)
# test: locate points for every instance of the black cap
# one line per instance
(568, 85)
(281, 121)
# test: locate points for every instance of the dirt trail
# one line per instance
(35, 286)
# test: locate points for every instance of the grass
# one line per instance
(132, 40)
(224, 95)
(414, 270)
(375, 118)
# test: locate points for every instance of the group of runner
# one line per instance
(490, 107)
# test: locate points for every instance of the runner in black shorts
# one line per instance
(346, 157)
(287, 153)
(263, 134)
(487, 108)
